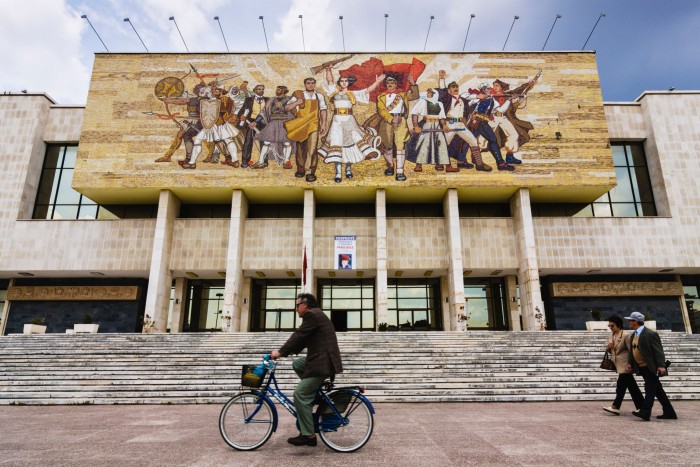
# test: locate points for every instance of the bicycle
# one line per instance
(344, 418)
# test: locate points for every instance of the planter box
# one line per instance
(34, 329)
(90, 328)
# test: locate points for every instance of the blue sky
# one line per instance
(640, 44)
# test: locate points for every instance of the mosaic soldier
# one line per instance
(274, 115)
(457, 113)
(311, 116)
(427, 144)
(190, 127)
(479, 122)
(347, 143)
(226, 134)
(510, 131)
(392, 107)
(209, 107)
(251, 122)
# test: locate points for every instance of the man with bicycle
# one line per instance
(317, 335)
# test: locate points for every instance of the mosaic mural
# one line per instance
(187, 121)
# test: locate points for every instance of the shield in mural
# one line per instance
(209, 112)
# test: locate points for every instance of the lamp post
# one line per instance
(468, 27)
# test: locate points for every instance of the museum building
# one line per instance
(111, 213)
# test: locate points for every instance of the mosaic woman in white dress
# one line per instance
(346, 142)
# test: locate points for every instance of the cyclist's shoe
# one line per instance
(302, 440)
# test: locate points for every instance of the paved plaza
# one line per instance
(548, 433)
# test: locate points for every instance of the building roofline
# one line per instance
(11, 93)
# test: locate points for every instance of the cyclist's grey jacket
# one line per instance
(317, 335)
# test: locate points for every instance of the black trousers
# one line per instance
(654, 389)
(625, 382)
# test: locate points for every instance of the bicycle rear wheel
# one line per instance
(353, 429)
(246, 421)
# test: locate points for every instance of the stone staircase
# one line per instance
(393, 366)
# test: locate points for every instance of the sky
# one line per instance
(640, 44)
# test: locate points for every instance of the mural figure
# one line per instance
(274, 136)
(480, 122)
(190, 127)
(226, 134)
(311, 116)
(346, 142)
(511, 132)
(208, 116)
(427, 143)
(457, 112)
(251, 122)
(392, 107)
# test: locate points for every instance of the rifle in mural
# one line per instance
(317, 69)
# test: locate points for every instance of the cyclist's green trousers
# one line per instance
(304, 395)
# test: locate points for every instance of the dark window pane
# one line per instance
(65, 212)
(618, 153)
(623, 210)
(637, 156)
(54, 156)
(140, 211)
(47, 187)
(648, 209)
(42, 211)
(643, 183)
(494, 210)
(468, 210)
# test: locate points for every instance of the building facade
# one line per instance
(600, 218)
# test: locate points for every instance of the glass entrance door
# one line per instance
(204, 305)
(349, 303)
(484, 304)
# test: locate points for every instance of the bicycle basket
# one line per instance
(250, 379)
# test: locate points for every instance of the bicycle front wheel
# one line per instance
(246, 421)
(353, 429)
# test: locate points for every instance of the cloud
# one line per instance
(320, 31)
(51, 61)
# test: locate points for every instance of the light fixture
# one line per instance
(259, 273)
(222, 274)
(331, 273)
(192, 275)
(127, 20)
(360, 273)
(592, 271)
(671, 88)
(557, 135)
(666, 270)
(26, 274)
(96, 273)
(94, 30)
(398, 273)
(216, 18)
(290, 274)
(428, 273)
(172, 18)
(496, 272)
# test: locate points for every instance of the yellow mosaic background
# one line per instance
(121, 137)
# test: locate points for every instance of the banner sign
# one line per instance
(345, 254)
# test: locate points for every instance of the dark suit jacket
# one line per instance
(248, 105)
(317, 335)
(650, 346)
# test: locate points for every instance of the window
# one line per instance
(348, 303)
(484, 210)
(632, 197)
(413, 304)
(56, 199)
(414, 210)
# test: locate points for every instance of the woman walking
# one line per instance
(620, 346)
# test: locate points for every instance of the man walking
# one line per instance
(322, 360)
(647, 359)
(311, 117)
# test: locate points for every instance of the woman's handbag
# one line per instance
(607, 363)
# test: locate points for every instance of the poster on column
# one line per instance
(345, 246)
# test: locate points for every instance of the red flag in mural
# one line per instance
(367, 72)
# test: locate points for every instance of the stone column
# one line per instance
(512, 303)
(176, 323)
(234, 263)
(5, 312)
(308, 241)
(381, 285)
(684, 307)
(531, 306)
(455, 271)
(160, 277)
